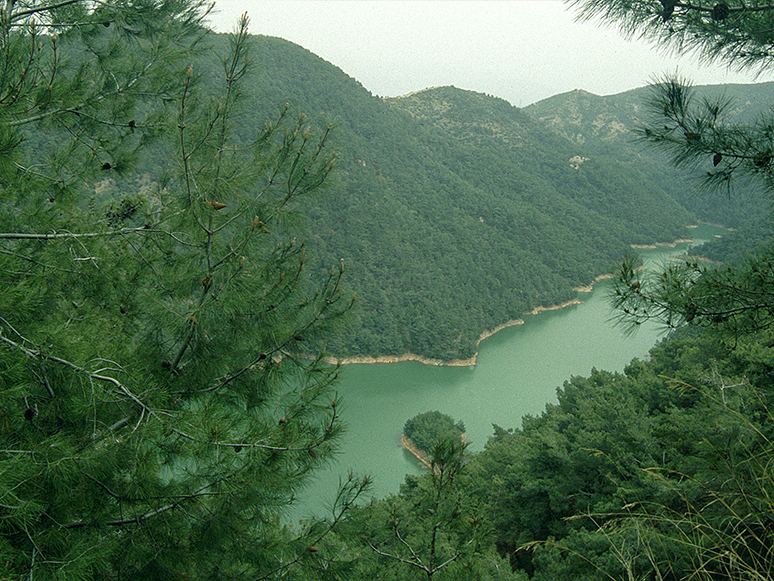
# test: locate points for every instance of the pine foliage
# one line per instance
(719, 526)
(163, 394)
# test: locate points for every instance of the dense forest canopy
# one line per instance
(178, 245)
(428, 428)
(156, 412)
(450, 189)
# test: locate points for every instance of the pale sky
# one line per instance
(520, 50)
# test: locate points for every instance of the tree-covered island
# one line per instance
(424, 431)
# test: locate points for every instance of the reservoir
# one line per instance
(518, 372)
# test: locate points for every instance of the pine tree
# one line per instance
(163, 393)
(698, 135)
(432, 529)
(723, 531)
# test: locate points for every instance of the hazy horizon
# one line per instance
(520, 50)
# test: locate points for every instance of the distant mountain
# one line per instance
(603, 126)
(583, 117)
(455, 211)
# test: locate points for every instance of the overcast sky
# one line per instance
(520, 50)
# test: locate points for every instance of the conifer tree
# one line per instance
(432, 529)
(698, 136)
(724, 531)
(163, 394)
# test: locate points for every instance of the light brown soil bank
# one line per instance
(590, 287)
(453, 362)
(422, 456)
(661, 244)
(415, 451)
(402, 358)
(679, 240)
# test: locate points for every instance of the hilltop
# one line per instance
(603, 126)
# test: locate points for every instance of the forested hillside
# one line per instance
(603, 126)
(454, 212)
(164, 397)
(662, 471)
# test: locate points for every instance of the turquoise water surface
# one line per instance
(517, 373)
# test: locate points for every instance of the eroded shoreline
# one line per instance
(414, 450)
(368, 360)
(422, 457)
(471, 361)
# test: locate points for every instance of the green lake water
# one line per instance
(517, 373)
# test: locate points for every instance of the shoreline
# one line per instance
(471, 361)
(422, 457)
(412, 448)
(590, 287)
(660, 244)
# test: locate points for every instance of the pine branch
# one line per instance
(357, 489)
(37, 354)
(256, 445)
(199, 493)
(70, 235)
(30, 11)
(418, 565)
(139, 519)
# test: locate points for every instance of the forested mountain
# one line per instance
(453, 211)
(603, 126)
(163, 395)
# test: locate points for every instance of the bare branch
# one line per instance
(70, 235)
(29, 12)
